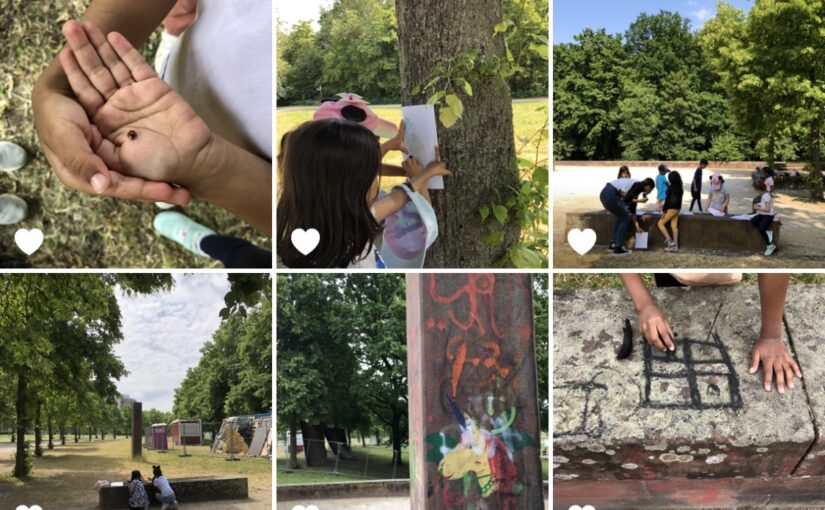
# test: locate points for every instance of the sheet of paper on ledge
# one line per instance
(421, 137)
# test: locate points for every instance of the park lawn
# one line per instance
(80, 230)
(528, 118)
(66, 475)
(372, 460)
(352, 470)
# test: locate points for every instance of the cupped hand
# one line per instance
(776, 362)
(655, 328)
(145, 129)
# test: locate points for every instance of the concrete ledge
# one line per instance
(698, 414)
(699, 231)
(187, 490)
(371, 488)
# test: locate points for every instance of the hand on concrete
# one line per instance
(776, 360)
(140, 126)
(655, 327)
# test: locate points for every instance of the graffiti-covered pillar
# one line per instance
(474, 419)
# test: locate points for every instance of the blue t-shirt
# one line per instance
(697, 181)
(661, 186)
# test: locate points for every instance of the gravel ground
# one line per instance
(80, 230)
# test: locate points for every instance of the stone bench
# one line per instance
(699, 231)
(187, 490)
(660, 430)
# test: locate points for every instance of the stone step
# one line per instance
(699, 231)
(697, 414)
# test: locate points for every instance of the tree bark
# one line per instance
(21, 468)
(62, 435)
(76, 434)
(293, 442)
(38, 432)
(479, 149)
(396, 438)
(51, 432)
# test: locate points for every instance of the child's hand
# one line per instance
(775, 359)
(419, 175)
(655, 327)
(396, 143)
(145, 128)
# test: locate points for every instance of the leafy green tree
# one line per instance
(300, 64)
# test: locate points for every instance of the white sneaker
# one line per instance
(769, 251)
(12, 157)
(769, 233)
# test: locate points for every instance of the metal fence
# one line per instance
(369, 461)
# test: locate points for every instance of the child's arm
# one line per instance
(397, 198)
(392, 171)
(652, 321)
(726, 202)
(396, 143)
(769, 349)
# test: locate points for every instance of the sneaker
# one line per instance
(621, 250)
(769, 233)
(183, 230)
(12, 157)
(769, 251)
(612, 246)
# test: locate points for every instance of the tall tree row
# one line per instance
(744, 86)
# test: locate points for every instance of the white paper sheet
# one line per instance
(716, 212)
(421, 137)
(641, 241)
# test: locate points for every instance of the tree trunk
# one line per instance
(315, 450)
(62, 435)
(21, 467)
(363, 440)
(76, 433)
(396, 438)
(51, 432)
(293, 442)
(38, 432)
(479, 149)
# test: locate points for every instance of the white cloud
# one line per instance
(290, 12)
(702, 15)
(163, 334)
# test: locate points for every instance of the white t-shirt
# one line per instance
(163, 485)
(624, 183)
(222, 66)
(766, 202)
(769, 183)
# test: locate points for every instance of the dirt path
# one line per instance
(803, 223)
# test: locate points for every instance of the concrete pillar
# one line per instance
(137, 429)
(474, 426)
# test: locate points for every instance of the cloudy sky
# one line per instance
(570, 17)
(290, 12)
(163, 334)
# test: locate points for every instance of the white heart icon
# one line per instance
(581, 240)
(298, 507)
(305, 240)
(29, 241)
(24, 507)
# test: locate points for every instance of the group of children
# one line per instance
(622, 195)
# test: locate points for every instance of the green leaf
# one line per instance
(541, 50)
(455, 104)
(525, 258)
(435, 98)
(416, 90)
(495, 238)
(447, 117)
(500, 27)
(468, 88)
(484, 211)
(500, 212)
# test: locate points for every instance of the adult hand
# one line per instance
(69, 142)
(776, 361)
(655, 327)
(145, 128)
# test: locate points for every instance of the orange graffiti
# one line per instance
(478, 285)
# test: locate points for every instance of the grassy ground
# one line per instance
(65, 476)
(372, 460)
(528, 119)
(612, 281)
(79, 230)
